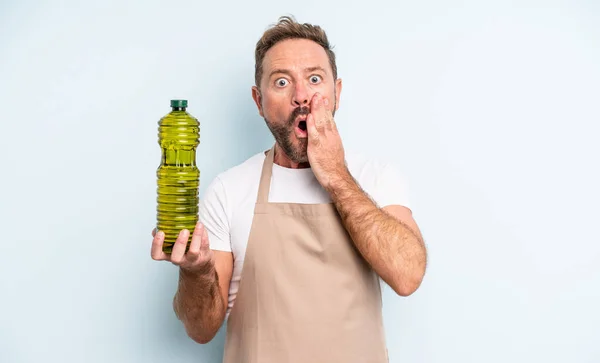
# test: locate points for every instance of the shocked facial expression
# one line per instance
(293, 71)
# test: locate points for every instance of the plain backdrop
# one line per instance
(491, 109)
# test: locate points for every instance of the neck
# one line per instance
(280, 158)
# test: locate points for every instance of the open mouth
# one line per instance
(302, 125)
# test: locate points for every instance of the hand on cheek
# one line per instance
(325, 149)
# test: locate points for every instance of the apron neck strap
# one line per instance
(265, 178)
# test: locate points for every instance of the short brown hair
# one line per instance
(288, 28)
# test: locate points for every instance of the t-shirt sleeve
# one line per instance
(391, 187)
(213, 215)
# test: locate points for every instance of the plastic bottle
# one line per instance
(178, 177)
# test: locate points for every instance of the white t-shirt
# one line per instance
(227, 207)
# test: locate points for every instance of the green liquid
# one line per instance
(178, 177)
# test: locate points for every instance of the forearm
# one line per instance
(199, 304)
(394, 251)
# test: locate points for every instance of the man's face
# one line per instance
(294, 70)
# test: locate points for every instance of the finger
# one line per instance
(323, 115)
(317, 110)
(157, 243)
(154, 232)
(205, 245)
(194, 250)
(329, 122)
(311, 129)
(178, 253)
(314, 102)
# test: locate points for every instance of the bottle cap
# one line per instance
(179, 103)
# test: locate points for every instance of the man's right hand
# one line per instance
(198, 259)
(203, 288)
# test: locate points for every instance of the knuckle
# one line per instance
(182, 239)
(193, 254)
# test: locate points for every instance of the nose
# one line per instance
(301, 95)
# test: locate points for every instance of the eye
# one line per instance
(281, 82)
(315, 79)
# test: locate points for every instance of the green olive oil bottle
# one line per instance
(178, 177)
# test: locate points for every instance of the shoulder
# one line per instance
(381, 178)
(234, 176)
(363, 166)
(223, 197)
(232, 184)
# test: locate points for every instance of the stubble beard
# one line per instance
(284, 132)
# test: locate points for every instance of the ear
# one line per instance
(338, 91)
(257, 99)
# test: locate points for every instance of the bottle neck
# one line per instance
(178, 109)
(178, 157)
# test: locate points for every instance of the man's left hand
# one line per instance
(325, 150)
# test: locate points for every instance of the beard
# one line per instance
(283, 132)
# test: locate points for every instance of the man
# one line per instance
(292, 243)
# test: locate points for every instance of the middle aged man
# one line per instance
(301, 234)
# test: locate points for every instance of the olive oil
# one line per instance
(178, 177)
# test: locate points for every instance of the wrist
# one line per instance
(341, 180)
(205, 271)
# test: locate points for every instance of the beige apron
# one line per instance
(305, 294)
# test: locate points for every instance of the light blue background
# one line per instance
(491, 109)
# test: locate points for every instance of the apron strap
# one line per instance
(265, 178)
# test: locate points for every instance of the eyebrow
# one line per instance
(285, 71)
(317, 68)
